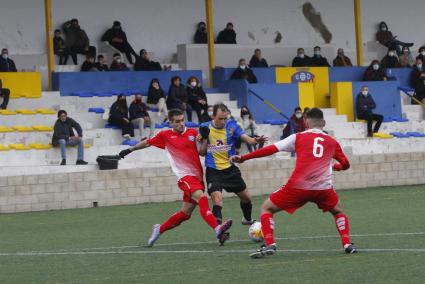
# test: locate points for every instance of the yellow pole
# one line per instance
(210, 31)
(358, 25)
(49, 41)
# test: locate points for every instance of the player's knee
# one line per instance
(217, 198)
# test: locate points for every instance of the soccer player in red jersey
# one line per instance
(311, 181)
(180, 144)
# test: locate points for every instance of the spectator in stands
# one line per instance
(118, 116)
(89, 64)
(117, 64)
(364, 110)
(341, 60)
(247, 123)
(59, 48)
(244, 72)
(417, 72)
(177, 97)
(4, 93)
(63, 135)
(6, 64)
(406, 59)
(228, 35)
(257, 60)
(390, 60)
(419, 90)
(374, 72)
(144, 63)
(296, 123)
(301, 60)
(77, 40)
(156, 98)
(421, 54)
(386, 38)
(210, 112)
(197, 98)
(201, 35)
(101, 65)
(139, 116)
(116, 37)
(318, 60)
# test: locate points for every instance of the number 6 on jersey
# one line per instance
(318, 148)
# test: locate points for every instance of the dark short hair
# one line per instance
(257, 49)
(60, 112)
(317, 47)
(221, 107)
(229, 24)
(175, 78)
(174, 112)
(300, 48)
(315, 113)
(57, 31)
(297, 109)
(100, 56)
(116, 54)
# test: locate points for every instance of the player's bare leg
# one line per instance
(267, 226)
(246, 207)
(217, 200)
(342, 225)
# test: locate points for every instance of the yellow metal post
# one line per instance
(49, 41)
(358, 25)
(210, 31)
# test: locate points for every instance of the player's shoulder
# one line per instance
(207, 124)
(191, 131)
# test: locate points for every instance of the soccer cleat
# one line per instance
(246, 222)
(155, 235)
(222, 229)
(63, 163)
(264, 251)
(350, 248)
(224, 237)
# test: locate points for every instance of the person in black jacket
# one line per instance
(374, 72)
(318, 60)
(77, 40)
(59, 48)
(117, 64)
(63, 135)
(416, 73)
(421, 54)
(156, 98)
(4, 93)
(419, 90)
(144, 63)
(201, 36)
(139, 116)
(243, 72)
(118, 116)
(301, 60)
(177, 97)
(228, 35)
(89, 64)
(364, 106)
(257, 60)
(6, 64)
(116, 37)
(101, 65)
(197, 98)
(390, 60)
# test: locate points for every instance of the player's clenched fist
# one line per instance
(236, 159)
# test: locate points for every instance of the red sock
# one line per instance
(206, 213)
(341, 221)
(267, 226)
(175, 220)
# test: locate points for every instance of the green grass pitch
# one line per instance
(100, 245)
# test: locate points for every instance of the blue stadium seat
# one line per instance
(415, 134)
(275, 121)
(130, 142)
(110, 126)
(399, 135)
(97, 110)
(83, 94)
(191, 124)
(103, 94)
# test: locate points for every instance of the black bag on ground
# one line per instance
(108, 162)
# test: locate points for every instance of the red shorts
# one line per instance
(290, 199)
(188, 185)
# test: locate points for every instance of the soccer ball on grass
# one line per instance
(255, 233)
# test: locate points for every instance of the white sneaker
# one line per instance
(127, 136)
(155, 235)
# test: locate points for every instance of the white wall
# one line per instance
(162, 24)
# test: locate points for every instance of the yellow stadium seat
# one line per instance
(4, 129)
(40, 146)
(42, 128)
(22, 128)
(45, 111)
(26, 111)
(4, 148)
(361, 120)
(19, 147)
(7, 112)
(22, 84)
(87, 146)
(382, 135)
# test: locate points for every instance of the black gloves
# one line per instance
(124, 153)
(204, 131)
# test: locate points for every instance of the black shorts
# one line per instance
(229, 179)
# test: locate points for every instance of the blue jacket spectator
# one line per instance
(364, 110)
(6, 64)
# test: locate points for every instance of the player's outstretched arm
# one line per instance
(141, 145)
(343, 163)
(263, 152)
(252, 141)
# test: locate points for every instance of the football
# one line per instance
(255, 233)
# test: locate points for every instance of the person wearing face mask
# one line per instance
(390, 60)
(156, 98)
(139, 116)
(118, 116)
(318, 60)
(6, 64)
(201, 36)
(406, 59)
(374, 72)
(364, 110)
(117, 64)
(257, 60)
(416, 73)
(244, 73)
(227, 36)
(77, 41)
(419, 90)
(386, 38)
(421, 54)
(247, 123)
(197, 98)
(210, 112)
(116, 37)
(178, 98)
(144, 63)
(295, 124)
(301, 60)
(341, 60)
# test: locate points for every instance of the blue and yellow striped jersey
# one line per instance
(221, 144)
